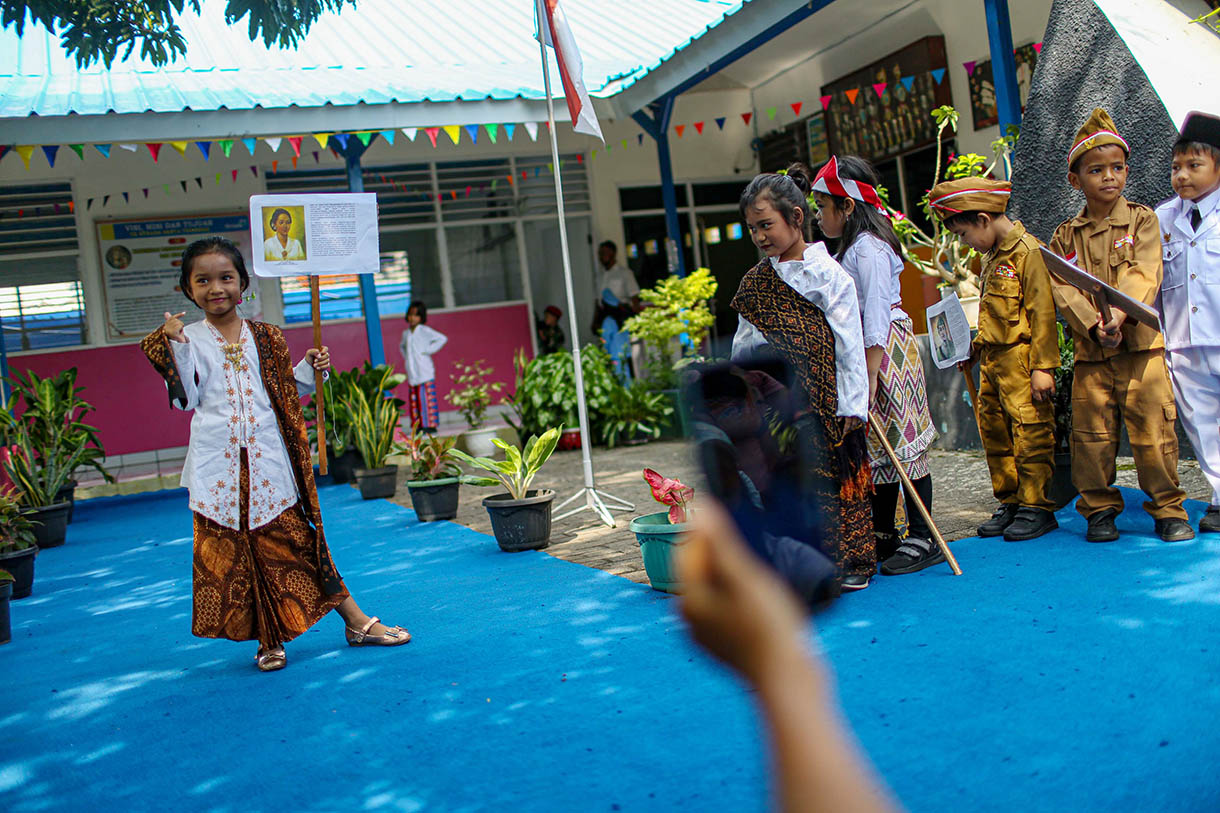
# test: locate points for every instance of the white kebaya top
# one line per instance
(417, 347)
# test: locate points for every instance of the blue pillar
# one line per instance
(657, 126)
(1003, 66)
(368, 287)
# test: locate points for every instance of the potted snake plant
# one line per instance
(434, 481)
(521, 516)
(374, 421)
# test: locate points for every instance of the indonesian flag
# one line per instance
(553, 26)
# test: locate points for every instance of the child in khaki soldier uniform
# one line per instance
(1018, 346)
(1120, 369)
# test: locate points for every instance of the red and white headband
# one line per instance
(828, 182)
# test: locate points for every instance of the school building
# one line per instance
(107, 173)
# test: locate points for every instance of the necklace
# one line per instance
(233, 353)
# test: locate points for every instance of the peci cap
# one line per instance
(554, 311)
(1203, 128)
(969, 195)
(1098, 131)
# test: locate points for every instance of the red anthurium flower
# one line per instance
(670, 492)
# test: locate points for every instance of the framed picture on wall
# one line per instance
(884, 109)
(982, 86)
(819, 147)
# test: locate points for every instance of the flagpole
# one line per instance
(593, 497)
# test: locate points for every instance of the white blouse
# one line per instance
(273, 250)
(875, 269)
(822, 281)
(232, 410)
(417, 347)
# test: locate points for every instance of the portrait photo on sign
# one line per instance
(284, 233)
(942, 341)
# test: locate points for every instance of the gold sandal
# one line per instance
(393, 636)
(271, 660)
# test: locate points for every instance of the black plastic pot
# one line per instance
(340, 467)
(50, 523)
(1061, 491)
(6, 626)
(67, 493)
(376, 484)
(523, 524)
(20, 563)
(434, 499)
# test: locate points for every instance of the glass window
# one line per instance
(47, 308)
(484, 263)
(712, 194)
(635, 198)
(410, 269)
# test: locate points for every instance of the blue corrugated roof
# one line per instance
(379, 51)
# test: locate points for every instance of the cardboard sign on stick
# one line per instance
(1105, 296)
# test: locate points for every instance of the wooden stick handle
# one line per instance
(910, 489)
(319, 381)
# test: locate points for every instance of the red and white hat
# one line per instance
(828, 182)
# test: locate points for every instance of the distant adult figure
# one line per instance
(280, 246)
(618, 278)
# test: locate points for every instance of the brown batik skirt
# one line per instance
(262, 584)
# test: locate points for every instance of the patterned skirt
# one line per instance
(901, 406)
(423, 406)
(262, 584)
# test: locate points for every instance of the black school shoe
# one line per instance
(1000, 520)
(1174, 530)
(1030, 523)
(854, 582)
(1210, 524)
(1101, 526)
(914, 554)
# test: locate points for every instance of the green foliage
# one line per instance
(92, 30)
(374, 420)
(16, 530)
(53, 411)
(339, 388)
(519, 466)
(473, 394)
(545, 393)
(431, 456)
(1063, 390)
(680, 305)
(633, 412)
(1210, 20)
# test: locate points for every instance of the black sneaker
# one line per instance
(1174, 530)
(854, 582)
(1000, 520)
(914, 554)
(1030, 523)
(1102, 527)
(887, 545)
(1210, 524)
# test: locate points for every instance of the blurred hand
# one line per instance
(318, 359)
(174, 328)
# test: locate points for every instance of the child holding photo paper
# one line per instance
(1018, 347)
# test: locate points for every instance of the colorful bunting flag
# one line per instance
(321, 138)
(316, 160)
(183, 187)
(105, 200)
(130, 147)
(624, 143)
(433, 132)
(126, 199)
(1037, 48)
(580, 157)
(254, 170)
(234, 176)
(226, 146)
(639, 139)
(410, 132)
(146, 192)
(49, 151)
(969, 66)
(679, 128)
(388, 135)
(295, 143)
(826, 101)
(4, 148)
(796, 108)
(938, 75)
(908, 82)
(180, 146)
(719, 125)
(104, 149)
(531, 127)
(294, 161)
(472, 130)
(25, 151)
(454, 132)
(508, 130)
(771, 111)
(274, 142)
(199, 182)
(154, 148)
(852, 94)
(342, 138)
(164, 186)
(205, 147)
(880, 88)
(492, 131)
(79, 149)
(699, 127)
(365, 136)
(275, 166)
(746, 118)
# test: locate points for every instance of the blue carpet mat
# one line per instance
(1054, 675)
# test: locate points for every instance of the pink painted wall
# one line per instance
(133, 413)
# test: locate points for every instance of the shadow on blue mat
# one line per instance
(1053, 675)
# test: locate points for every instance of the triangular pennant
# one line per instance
(79, 149)
(771, 111)
(88, 206)
(908, 82)
(938, 75)
(410, 132)
(492, 131)
(699, 127)
(130, 147)
(453, 194)
(852, 94)
(796, 108)
(254, 170)
(165, 186)
(294, 161)
(4, 148)
(104, 149)
(525, 176)
(624, 142)
(1037, 48)
(826, 101)
(580, 157)
(105, 200)
(315, 157)
(468, 190)
(218, 179)
(969, 66)
(295, 143)
(154, 148)
(432, 132)
(234, 176)
(473, 131)
(199, 182)
(205, 147)
(639, 139)
(679, 128)
(746, 118)
(342, 138)
(322, 139)
(275, 166)
(549, 168)
(593, 155)
(365, 136)
(274, 142)
(880, 88)
(494, 183)
(226, 146)
(183, 187)
(389, 135)
(49, 151)
(454, 132)
(537, 171)
(126, 199)
(719, 124)
(145, 190)
(531, 127)
(509, 129)
(71, 206)
(25, 151)
(180, 146)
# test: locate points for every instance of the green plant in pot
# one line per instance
(520, 517)
(675, 325)
(660, 534)
(434, 479)
(17, 544)
(340, 441)
(472, 395)
(374, 421)
(545, 394)
(635, 415)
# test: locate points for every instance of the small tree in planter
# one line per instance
(434, 481)
(374, 421)
(521, 517)
(472, 398)
(675, 326)
(17, 545)
(660, 533)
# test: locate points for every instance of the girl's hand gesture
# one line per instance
(319, 359)
(174, 327)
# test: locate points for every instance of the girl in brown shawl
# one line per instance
(803, 304)
(262, 569)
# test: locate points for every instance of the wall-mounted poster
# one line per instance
(982, 86)
(819, 148)
(142, 265)
(884, 110)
